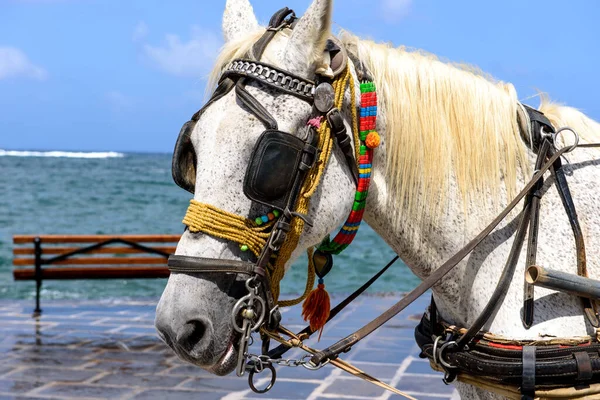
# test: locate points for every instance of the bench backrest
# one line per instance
(92, 256)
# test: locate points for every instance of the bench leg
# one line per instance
(38, 287)
(38, 274)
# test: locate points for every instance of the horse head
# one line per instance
(242, 156)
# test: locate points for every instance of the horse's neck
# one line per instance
(464, 292)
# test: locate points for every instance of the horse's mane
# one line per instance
(443, 121)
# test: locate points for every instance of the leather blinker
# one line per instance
(273, 168)
(183, 164)
(183, 167)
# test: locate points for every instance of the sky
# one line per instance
(124, 75)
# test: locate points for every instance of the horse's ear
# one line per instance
(309, 37)
(238, 20)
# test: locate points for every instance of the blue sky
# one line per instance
(125, 74)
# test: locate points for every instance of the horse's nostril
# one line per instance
(192, 334)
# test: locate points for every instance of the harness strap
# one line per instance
(346, 343)
(538, 122)
(336, 121)
(224, 87)
(497, 360)
(186, 264)
(528, 382)
(589, 306)
(257, 109)
(532, 242)
(584, 366)
(307, 332)
(505, 279)
(277, 23)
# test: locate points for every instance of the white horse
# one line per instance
(452, 155)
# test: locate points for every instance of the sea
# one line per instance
(57, 192)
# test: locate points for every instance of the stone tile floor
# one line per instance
(109, 350)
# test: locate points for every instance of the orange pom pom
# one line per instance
(316, 309)
(373, 140)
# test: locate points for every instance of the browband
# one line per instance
(271, 76)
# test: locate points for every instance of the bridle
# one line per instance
(298, 154)
(275, 177)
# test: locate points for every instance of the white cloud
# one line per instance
(140, 32)
(193, 57)
(396, 9)
(14, 63)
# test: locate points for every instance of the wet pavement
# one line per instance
(109, 350)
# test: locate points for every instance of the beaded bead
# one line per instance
(373, 140)
(263, 219)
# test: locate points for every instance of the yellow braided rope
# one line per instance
(205, 218)
(208, 219)
(310, 283)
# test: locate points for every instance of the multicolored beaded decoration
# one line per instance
(266, 218)
(369, 140)
(259, 221)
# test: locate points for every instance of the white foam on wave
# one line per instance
(63, 154)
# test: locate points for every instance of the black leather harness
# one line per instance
(526, 366)
(529, 367)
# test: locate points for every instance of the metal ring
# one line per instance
(435, 345)
(575, 135)
(546, 135)
(250, 282)
(269, 386)
(237, 309)
(444, 347)
(310, 366)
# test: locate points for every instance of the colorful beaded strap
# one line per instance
(369, 140)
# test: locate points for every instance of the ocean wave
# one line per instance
(63, 154)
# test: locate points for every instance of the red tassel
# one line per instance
(316, 308)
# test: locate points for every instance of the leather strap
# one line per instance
(336, 121)
(276, 24)
(556, 365)
(584, 366)
(350, 340)
(567, 201)
(528, 376)
(186, 264)
(257, 109)
(538, 122)
(280, 350)
(535, 196)
(499, 294)
(224, 87)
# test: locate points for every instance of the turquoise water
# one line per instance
(105, 193)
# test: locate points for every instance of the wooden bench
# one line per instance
(90, 257)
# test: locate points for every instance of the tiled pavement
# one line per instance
(109, 350)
